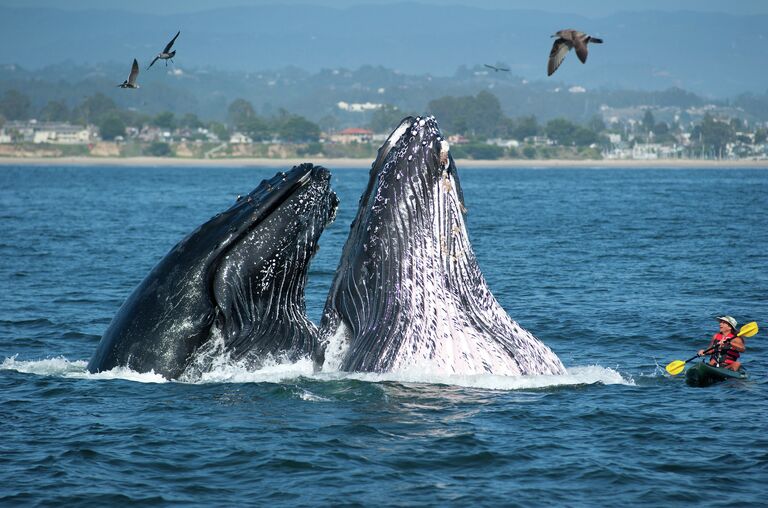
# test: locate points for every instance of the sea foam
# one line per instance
(275, 372)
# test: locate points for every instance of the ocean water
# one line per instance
(618, 271)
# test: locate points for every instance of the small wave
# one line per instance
(61, 367)
(285, 372)
(36, 323)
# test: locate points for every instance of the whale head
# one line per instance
(408, 293)
(236, 282)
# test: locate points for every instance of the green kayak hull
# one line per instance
(703, 374)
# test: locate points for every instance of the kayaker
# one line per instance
(726, 346)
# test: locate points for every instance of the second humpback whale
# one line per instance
(408, 292)
(234, 285)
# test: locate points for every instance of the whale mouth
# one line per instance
(273, 249)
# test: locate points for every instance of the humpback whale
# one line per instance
(408, 292)
(236, 281)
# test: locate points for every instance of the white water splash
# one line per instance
(275, 372)
(337, 347)
(270, 372)
(78, 369)
(574, 376)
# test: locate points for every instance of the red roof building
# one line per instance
(353, 135)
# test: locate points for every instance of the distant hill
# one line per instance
(711, 54)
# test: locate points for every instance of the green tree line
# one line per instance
(477, 118)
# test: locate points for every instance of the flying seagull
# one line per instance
(131, 81)
(567, 39)
(497, 69)
(166, 54)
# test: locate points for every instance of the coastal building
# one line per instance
(358, 107)
(504, 143)
(150, 134)
(59, 133)
(654, 151)
(352, 135)
(64, 134)
(457, 139)
(539, 141)
(238, 138)
(18, 131)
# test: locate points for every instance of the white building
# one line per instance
(64, 134)
(654, 151)
(504, 143)
(19, 131)
(48, 132)
(358, 107)
(238, 138)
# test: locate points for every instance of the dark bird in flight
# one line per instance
(166, 54)
(567, 39)
(131, 81)
(497, 69)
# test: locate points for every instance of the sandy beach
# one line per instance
(366, 163)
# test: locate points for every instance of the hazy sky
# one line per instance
(584, 7)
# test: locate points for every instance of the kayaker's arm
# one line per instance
(737, 344)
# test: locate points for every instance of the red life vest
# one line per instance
(728, 356)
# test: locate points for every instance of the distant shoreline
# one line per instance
(366, 163)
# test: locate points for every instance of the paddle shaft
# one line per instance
(702, 354)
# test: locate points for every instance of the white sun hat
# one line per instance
(729, 320)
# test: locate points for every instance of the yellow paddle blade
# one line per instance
(675, 367)
(748, 330)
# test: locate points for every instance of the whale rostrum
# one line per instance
(408, 292)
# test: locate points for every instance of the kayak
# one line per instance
(703, 374)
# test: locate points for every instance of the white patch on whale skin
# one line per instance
(444, 151)
(396, 135)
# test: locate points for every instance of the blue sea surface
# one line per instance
(618, 271)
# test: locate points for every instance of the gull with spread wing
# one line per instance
(166, 54)
(131, 81)
(567, 39)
